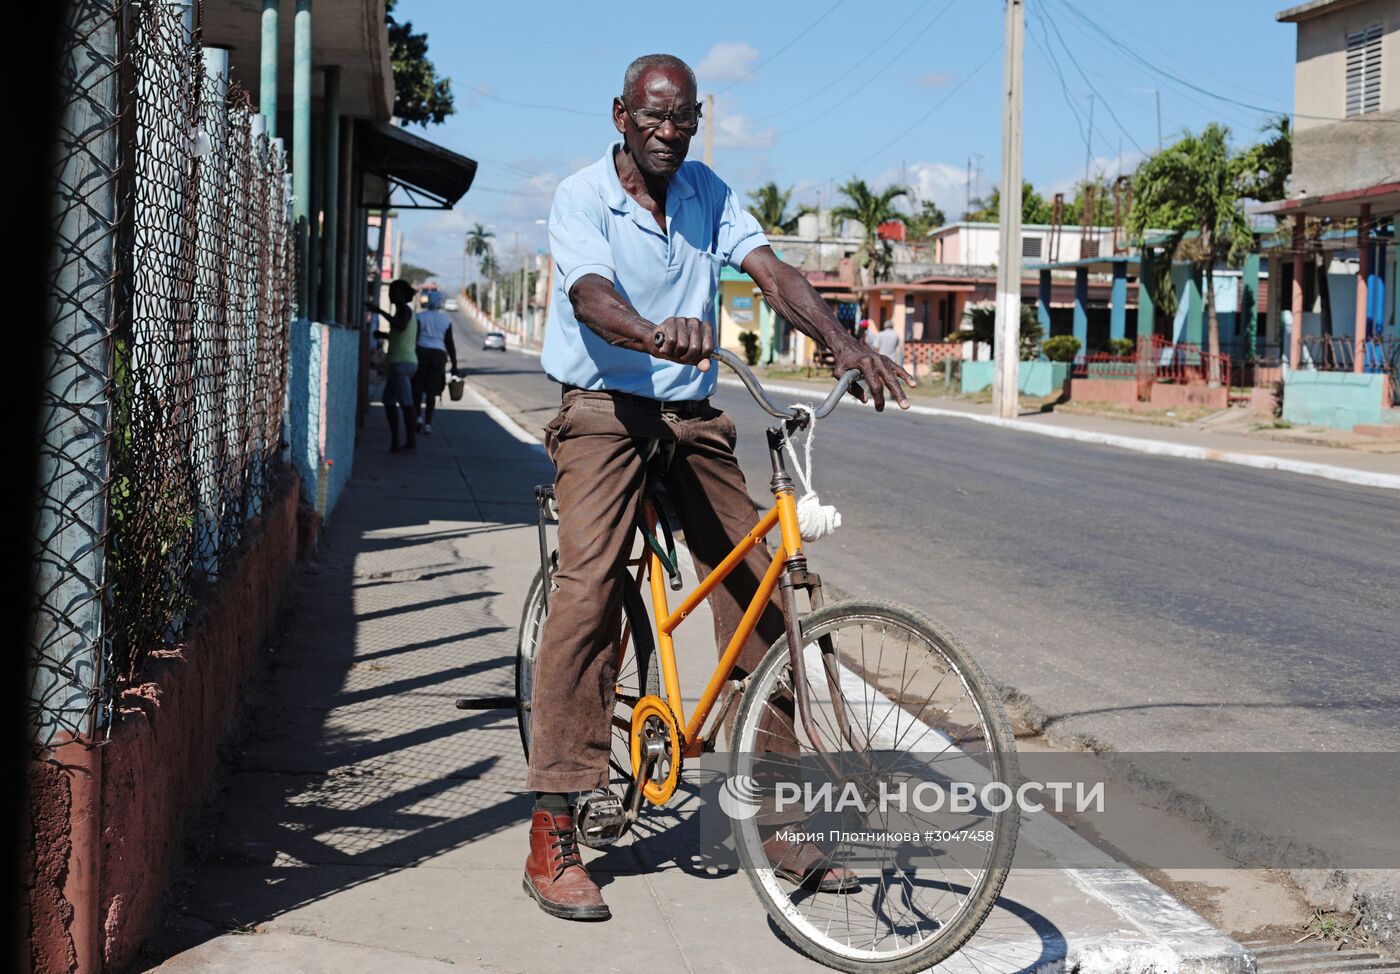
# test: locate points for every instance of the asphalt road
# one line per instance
(1143, 603)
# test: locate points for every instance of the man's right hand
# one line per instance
(689, 341)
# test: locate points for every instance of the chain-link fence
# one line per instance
(172, 290)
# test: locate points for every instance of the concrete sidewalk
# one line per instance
(369, 825)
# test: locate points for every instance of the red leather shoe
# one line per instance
(554, 872)
(804, 865)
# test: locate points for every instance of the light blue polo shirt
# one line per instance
(595, 227)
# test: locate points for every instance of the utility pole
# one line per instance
(710, 131)
(1006, 377)
(1158, 93)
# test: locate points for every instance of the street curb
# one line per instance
(503, 420)
(1346, 475)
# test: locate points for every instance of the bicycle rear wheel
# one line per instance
(910, 706)
(637, 674)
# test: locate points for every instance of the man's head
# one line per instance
(400, 291)
(657, 113)
(887, 326)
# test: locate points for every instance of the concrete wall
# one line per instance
(1333, 157)
(1035, 378)
(1340, 400)
(321, 405)
(160, 762)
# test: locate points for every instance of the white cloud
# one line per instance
(735, 130)
(942, 182)
(1107, 166)
(726, 61)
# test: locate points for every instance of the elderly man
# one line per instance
(638, 239)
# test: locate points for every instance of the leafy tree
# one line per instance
(1034, 208)
(1193, 186)
(769, 205)
(983, 319)
(1265, 166)
(478, 244)
(870, 209)
(927, 219)
(415, 274)
(489, 266)
(420, 96)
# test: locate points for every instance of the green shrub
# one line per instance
(1122, 347)
(750, 342)
(1061, 348)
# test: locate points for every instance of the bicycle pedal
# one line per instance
(599, 819)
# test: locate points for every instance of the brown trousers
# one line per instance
(598, 442)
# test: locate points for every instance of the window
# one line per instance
(1030, 247)
(1364, 71)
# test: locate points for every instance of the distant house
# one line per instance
(1339, 340)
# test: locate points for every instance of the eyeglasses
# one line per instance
(684, 119)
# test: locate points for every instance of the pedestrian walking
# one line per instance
(402, 362)
(435, 346)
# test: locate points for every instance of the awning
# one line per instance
(1383, 198)
(413, 173)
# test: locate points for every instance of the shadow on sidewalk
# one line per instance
(362, 807)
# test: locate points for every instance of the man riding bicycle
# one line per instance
(638, 239)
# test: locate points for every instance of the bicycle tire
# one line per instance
(643, 650)
(971, 915)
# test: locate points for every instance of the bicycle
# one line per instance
(842, 728)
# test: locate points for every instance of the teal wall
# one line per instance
(1336, 399)
(1037, 378)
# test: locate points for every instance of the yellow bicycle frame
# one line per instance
(784, 515)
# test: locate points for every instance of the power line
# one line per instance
(856, 65)
(939, 104)
(1145, 62)
(524, 104)
(1092, 87)
(874, 77)
(769, 59)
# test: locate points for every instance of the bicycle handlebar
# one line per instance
(756, 390)
(760, 396)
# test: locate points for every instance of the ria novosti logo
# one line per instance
(739, 797)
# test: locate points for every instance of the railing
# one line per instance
(1378, 355)
(1156, 360)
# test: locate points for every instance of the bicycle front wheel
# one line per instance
(862, 876)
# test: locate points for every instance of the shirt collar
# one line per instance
(618, 199)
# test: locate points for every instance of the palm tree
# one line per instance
(1192, 186)
(479, 245)
(870, 209)
(769, 205)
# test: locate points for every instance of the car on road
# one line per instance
(494, 339)
(450, 304)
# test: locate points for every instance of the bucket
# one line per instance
(455, 388)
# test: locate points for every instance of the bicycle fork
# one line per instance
(796, 576)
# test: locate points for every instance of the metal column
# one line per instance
(267, 82)
(301, 149)
(330, 194)
(1118, 302)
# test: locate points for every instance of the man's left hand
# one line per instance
(880, 373)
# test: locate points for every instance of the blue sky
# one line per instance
(810, 93)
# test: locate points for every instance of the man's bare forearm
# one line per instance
(792, 297)
(605, 312)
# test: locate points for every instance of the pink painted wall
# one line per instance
(159, 764)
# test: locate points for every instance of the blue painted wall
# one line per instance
(1035, 378)
(312, 395)
(1336, 399)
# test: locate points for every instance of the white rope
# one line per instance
(815, 520)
